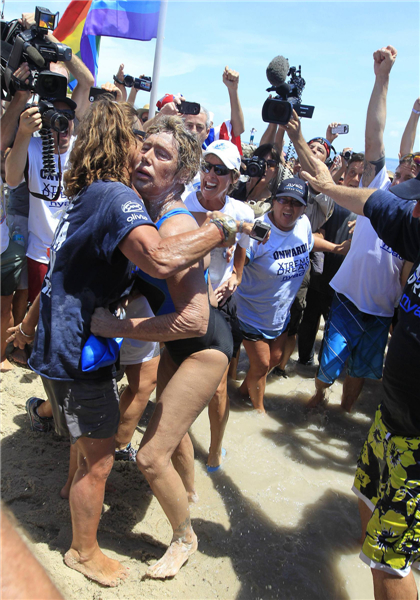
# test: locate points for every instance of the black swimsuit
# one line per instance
(218, 335)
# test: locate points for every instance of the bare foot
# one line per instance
(318, 399)
(5, 366)
(173, 559)
(19, 356)
(99, 567)
(193, 497)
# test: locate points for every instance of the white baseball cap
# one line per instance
(227, 152)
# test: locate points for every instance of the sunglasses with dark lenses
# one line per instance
(272, 163)
(220, 170)
(70, 114)
(411, 157)
(140, 134)
(284, 200)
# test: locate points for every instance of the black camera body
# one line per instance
(53, 118)
(254, 166)
(280, 109)
(139, 83)
(31, 46)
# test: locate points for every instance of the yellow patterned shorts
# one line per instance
(388, 481)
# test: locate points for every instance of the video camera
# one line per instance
(31, 46)
(280, 109)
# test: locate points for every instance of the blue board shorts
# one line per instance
(354, 335)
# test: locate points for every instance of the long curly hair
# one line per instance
(100, 151)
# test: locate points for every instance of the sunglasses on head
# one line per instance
(291, 201)
(411, 157)
(219, 170)
(140, 134)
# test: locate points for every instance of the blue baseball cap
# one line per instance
(293, 188)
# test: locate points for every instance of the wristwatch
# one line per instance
(227, 226)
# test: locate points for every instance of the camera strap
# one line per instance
(41, 196)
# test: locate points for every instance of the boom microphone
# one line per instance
(277, 71)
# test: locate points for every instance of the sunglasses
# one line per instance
(272, 163)
(140, 134)
(70, 114)
(294, 203)
(220, 170)
(411, 157)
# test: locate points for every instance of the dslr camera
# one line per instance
(280, 109)
(31, 46)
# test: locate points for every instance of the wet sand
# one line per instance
(279, 519)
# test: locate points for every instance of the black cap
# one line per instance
(294, 188)
(408, 190)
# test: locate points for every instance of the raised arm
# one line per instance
(383, 61)
(231, 81)
(10, 118)
(409, 135)
(353, 199)
(294, 131)
(30, 121)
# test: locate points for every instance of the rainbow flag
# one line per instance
(134, 20)
(84, 21)
(70, 31)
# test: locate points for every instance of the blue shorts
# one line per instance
(354, 335)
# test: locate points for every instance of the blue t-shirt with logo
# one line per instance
(86, 270)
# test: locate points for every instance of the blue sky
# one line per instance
(333, 41)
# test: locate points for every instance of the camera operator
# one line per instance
(24, 163)
(258, 190)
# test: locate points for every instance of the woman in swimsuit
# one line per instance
(198, 341)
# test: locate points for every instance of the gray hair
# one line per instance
(189, 149)
(206, 112)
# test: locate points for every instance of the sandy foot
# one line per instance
(100, 568)
(319, 399)
(19, 356)
(5, 366)
(173, 559)
(193, 497)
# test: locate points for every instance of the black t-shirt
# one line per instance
(392, 219)
(86, 270)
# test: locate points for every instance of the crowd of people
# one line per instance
(143, 254)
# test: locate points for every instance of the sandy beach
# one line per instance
(279, 519)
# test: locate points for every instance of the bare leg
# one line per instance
(352, 387)
(65, 491)
(182, 400)
(320, 394)
(289, 347)
(218, 415)
(6, 322)
(183, 461)
(141, 383)
(95, 460)
(392, 587)
(259, 364)
(20, 303)
(233, 367)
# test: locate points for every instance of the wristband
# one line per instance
(241, 226)
(116, 80)
(23, 333)
(417, 112)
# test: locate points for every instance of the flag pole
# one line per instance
(158, 55)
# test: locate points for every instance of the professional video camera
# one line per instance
(31, 46)
(280, 109)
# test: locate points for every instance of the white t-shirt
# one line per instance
(273, 276)
(370, 273)
(220, 269)
(4, 230)
(43, 215)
